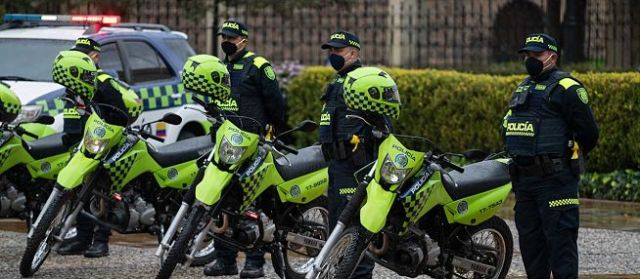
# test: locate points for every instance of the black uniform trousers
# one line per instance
(342, 184)
(547, 219)
(228, 255)
(90, 231)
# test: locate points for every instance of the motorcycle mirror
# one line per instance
(45, 119)
(475, 155)
(307, 126)
(171, 118)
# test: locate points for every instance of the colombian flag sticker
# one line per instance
(161, 129)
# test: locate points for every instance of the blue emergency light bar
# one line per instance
(98, 19)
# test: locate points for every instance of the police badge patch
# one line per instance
(582, 93)
(268, 71)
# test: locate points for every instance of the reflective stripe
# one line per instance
(568, 82)
(563, 202)
(258, 61)
(347, 191)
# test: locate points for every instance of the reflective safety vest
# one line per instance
(534, 127)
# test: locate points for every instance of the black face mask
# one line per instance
(337, 61)
(229, 48)
(534, 66)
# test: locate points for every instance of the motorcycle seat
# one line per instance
(477, 178)
(47, 146)
(181, 151)
(308, 159)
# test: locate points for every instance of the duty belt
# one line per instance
(341, 149)
(540, 165)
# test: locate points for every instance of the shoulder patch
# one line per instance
(259, 61)
(568, 82)
(102, 77)
(582, 93)
(268, 71)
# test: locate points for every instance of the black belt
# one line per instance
(540, 165)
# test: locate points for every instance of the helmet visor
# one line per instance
(390, 94)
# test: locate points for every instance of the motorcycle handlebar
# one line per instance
(21, 130)
(280, 145)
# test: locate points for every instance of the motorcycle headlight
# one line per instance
(93, 144)
(390, 172)
(230, 154)
(28, 114)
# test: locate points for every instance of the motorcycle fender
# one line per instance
(76, 170)
(373, 215)
(213, 182)
(478, 208)
(305, 188)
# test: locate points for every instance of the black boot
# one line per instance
(97, 250)
(74, 246)
(252, 270)
(218, 268)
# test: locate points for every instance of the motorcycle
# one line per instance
(417, 213)
(127, 184)
(29, 164)
(252, 196)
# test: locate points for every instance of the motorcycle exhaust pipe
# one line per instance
(225, 225)
(379, 251)
(166, 239)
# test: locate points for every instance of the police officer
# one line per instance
(92, 240)
(254, 93)
(346, 142)
(548, 130)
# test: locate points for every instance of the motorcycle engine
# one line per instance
(255, 226)
(129, 211)
(410, 253)
(12, 201)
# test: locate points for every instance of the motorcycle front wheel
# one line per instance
(42, 239)
(181, 244)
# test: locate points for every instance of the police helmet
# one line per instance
(371, 89)
(9, 104)
(75, 71)
(207, 75)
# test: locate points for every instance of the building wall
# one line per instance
(409, 33)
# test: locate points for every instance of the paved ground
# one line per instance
(601, 252)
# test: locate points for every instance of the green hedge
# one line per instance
(460, 111)
(620, 185)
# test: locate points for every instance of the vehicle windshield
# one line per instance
(29, 59)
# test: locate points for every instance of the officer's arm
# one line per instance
(579, 115)
(274, 102)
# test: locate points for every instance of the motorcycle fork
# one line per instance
(83, 196)
(212, 211)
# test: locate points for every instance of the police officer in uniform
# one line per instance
(255, 93)
(548, 130)
(346, 142)
(92, 239)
